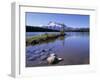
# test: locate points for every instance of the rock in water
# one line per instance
(53, 59)
(50, 59)
(60, 59)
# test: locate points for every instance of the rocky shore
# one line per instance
(42, 38)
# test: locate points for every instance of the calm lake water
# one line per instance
(73, 48)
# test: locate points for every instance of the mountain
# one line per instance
(54, 27)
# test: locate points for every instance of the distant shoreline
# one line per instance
(40, 29)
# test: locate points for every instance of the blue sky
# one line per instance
(71, 20)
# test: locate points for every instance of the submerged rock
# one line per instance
(33, 57)
(43, 57)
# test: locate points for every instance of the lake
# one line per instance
(73, 48)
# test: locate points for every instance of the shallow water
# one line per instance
(73, 48)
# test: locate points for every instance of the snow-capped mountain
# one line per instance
(55, 25)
